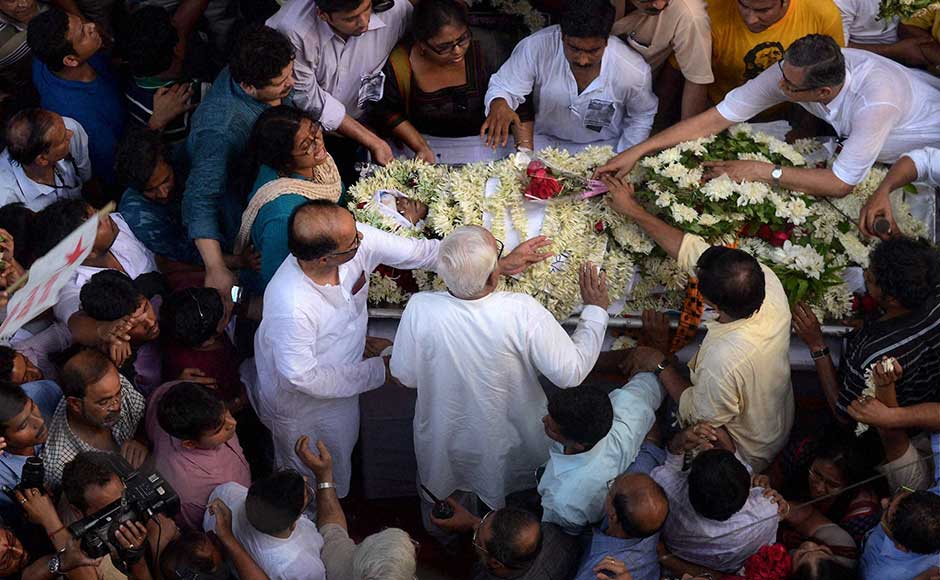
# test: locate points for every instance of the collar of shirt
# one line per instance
(599, 84)
(122, 430)
(64, 175)
(336, 295)
(327, 31)
(836, 105)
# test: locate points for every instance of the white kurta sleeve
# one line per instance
(927, 162)
(308, 94)
(640, 109)
(564, 360)
(380, 247)
(405, 353)
(871, 127)
(515, 80)
(753, 97)
(78, 148)
(295, 359)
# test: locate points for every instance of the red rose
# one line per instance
(864, 303)
(536, 169)
(599, 227)
(360, 205)
(769, 563)
(764, 232)
(543, 188)
(778, 238)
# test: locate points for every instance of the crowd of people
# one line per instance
(190, 406)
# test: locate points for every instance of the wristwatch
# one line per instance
(776, 174)
(662, 366)
(55, 564)
(818, 354)
(326, 485)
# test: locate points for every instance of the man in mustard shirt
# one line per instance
(741, 373)
(748, 36)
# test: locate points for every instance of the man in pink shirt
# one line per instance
(194, 446)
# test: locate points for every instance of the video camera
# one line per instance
(32, 477)
(146, 495)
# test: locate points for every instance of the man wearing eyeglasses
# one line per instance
(591, 88)
(906, 544)
(879, 108)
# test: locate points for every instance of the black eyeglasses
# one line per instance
(462, 41)
(355, 247)
(793, 88)
(502, 247)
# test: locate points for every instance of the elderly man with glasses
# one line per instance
(474, 355)
(879, 109)
(312, 355)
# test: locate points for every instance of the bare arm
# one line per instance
(694, 99)
(806, 326)
(621, 199)
(410, 136)
(353, 129)
(245, 566)
(329, 510)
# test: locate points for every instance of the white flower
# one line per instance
(719, 188)
(623, 343)
(793, 210)
(803, 259)
(753, 157)
(674, 171)
(856, 251)
(652, 162)
(691, 179)
(665, 199)
(707, 219)
(671, 155)
(837, 301)
(683, 213)
(751, 192)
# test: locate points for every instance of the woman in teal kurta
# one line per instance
(290, 165)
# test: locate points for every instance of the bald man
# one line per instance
(636, 508)
(312, 356)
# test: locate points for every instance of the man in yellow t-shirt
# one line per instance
(748, 36)
(923, 29)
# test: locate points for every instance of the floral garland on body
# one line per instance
(903, 9)
(808, 242)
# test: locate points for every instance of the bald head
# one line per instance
(85, 367)
(28, 134)
(319, 228)
(640, 505)
(512, 536)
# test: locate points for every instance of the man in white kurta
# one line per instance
(615, 106)
(309, 347)
(475, 363)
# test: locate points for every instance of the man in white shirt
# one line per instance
(341, 47)
(879, 108)
(45, 160)
(590, 88)
(475, 356)
(597, 437)
(862, 26)
(268, 520)
(922, 165)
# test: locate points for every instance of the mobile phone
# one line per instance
(237, 294)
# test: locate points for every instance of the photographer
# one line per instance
(91, 482)
(23, 432)
(68, 558)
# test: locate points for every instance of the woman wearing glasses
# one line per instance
(435, 86)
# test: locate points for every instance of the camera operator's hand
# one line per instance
(134, 452)
(321, 465)
(223, 520)
(3, 444)
(462, 520)
(39, 509)
(73, 557)
(131, 536)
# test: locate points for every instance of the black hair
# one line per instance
(87, 469)
(55, 222)
(317, 246)
(27, 134)
(626, 511)
(906, 270)
(271, 142)
(333, 6)
(12, 400)
(187, 411)
(260, 56)
(187, 557)
(147, 40)
(7, 356)
(719, 484)
(916, 522)
(17, 219)
(109, 295)
(275, 502)
(138, 155)
(82, 366)
(822, 58)
(587, 18)
(732, 279)
(47, 36)
(825, 569)
(191, 316)
(431, 16)
(504, 543)
(583, 414)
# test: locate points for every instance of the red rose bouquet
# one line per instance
(771, 562)
(546, 182)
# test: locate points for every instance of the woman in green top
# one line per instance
(287, 165)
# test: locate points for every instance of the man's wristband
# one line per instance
(662, 366)
(818, 354)
(326, 485)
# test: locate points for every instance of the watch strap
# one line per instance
(661, 367)
(55, 564)
(776, 174)
(326, 485)
(818, 354)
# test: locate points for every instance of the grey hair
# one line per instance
(466, 259)
(822, 58)
(387, 555)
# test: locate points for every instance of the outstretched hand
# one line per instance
(524, 255)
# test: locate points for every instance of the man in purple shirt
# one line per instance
(194, 446)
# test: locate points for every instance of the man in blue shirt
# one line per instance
(259, 75)
(635, 509)
(23, 432)
(74, 79)
(907, 541)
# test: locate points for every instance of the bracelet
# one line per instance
(53, 533)
(818, 354)
(326, 485)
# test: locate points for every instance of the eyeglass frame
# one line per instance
(357, 241)
(463, 40)
(522, 566)
(789, 84)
